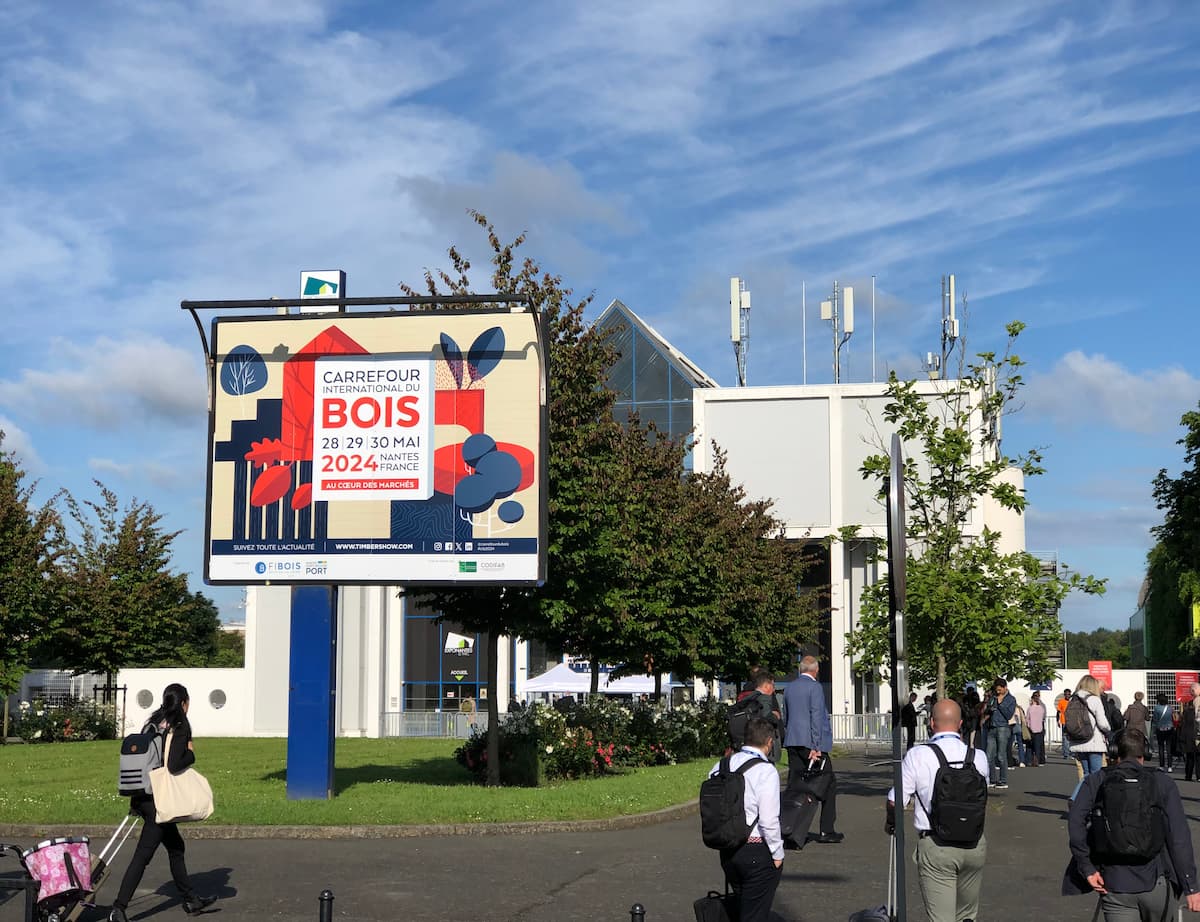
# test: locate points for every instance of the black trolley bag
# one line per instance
(800, 802)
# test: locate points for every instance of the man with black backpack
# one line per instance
(950, 782)
(759, 702)
(746, 832)
(1130, 840)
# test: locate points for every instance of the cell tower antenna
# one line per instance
(739, 317)
(839, 309)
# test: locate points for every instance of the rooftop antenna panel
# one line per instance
(847, 310)
(735, 309)
(826, 310)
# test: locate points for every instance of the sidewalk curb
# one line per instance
(10, 831)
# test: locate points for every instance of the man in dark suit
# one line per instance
(808, 737)
(908, 720)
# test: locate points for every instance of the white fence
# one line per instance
(451, 725)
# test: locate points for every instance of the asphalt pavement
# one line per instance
(541, 874)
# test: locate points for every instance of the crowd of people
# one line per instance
(1128, 834)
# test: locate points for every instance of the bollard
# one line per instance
(326, 906)
(637, 913)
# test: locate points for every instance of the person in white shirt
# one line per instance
(753, 869)
(950, 876)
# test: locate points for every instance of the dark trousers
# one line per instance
(153, 835)
(1166, 739)
(798, 761)
(1191, 766)
(753, 877)
(1038, 745)
(910, 735)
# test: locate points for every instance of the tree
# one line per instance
(1174, 561)
(121, 603)
(713, 585)
(580, 411)
(1100, 644)
(31, 537)
(971, 610)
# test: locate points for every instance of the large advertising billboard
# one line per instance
(382, 448)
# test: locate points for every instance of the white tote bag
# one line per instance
(183, 798)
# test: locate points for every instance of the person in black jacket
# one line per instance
(170, 716)
(1134, 890)
(908, 720)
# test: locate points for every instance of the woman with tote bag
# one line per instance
(171, 719)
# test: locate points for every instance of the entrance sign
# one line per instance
(398, 447)
(1101, 670)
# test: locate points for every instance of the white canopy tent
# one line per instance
(563, 680)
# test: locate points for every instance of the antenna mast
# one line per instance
(840, 310)
(739, 316)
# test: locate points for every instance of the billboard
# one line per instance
(380, 448)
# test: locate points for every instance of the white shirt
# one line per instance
(919, 767)
(762, 798)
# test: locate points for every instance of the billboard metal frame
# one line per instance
(450, 305)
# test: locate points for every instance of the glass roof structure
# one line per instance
(650, 376)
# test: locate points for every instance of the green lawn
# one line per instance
(377, 782)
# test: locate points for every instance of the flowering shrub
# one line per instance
(602, 736)
(75, 721)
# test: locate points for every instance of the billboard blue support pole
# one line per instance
(311, 693)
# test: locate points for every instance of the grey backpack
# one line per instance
(141, 753)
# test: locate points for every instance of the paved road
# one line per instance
(596, 876)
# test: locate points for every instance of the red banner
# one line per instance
(1183, 685)
(1101, 669)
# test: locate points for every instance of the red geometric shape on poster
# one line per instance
(453, 407)
(448, 468)
(271, 485)
(299, 371)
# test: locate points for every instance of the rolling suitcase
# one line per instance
(884, 913)
(800, 801)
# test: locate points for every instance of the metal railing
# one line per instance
(447, 724)
(862, 732)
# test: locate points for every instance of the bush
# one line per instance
(74, 721)
(601, 736)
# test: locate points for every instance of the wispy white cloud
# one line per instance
(18, 442)
(1084, 390)
(111, 383)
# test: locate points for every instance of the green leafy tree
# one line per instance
(580, 412)
(122, 605)
(1100, 644)
(231, 650)
(972, 611)
(1174, 561)
(31, 538)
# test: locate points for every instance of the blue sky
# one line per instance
(1044, 153)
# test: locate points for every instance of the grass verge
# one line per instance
(377, 782)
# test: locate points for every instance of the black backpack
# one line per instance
(1078, 725)
(740, 716)
(958, 806)
(1112, 713)
(1127, 824)
(722, 805)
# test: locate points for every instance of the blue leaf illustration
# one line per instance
(486, 352)
(243, 371)
(453, 358)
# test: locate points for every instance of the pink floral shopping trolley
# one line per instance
(65, 873)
